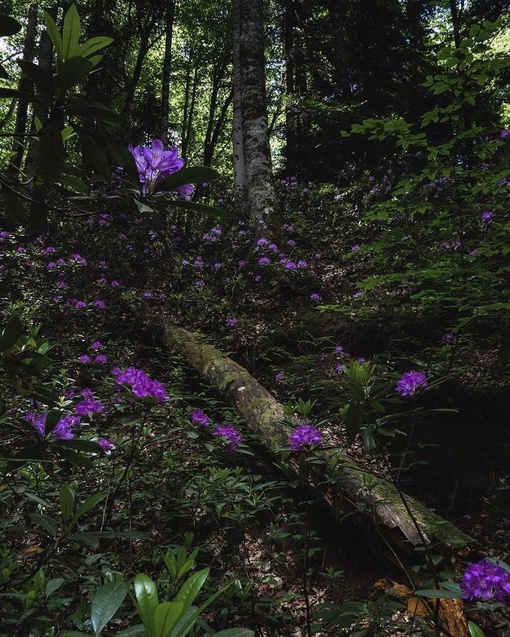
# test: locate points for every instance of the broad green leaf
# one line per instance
(8, 26)
(96, 110)
(73, 183)
(82, 445)
(24, 95)
(166, 616)
(67, 498)
(122, 158)
(53, 585)
(475, 630)
(147, 601)
(185, 622)
(439, 594)
(50, 154)
(46, 523)
(77, 459)
(234, 632)
(191, 588)
(74, 71)
(133, 631)
(92, 501)
(197, 174)
(105, 603)
(95, 153)
(3, 73)
(93, 44)
(42, 79)
(54, 34)
(52, 420)
(11, 333)
(70, 33)
(142, 207)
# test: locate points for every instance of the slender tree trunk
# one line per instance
(290, 115)
(165, 75)
(210, 146)
(237, 116)
(25, 85)
(188, 128)
(262, 198)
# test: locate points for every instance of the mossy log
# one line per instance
(403, 521)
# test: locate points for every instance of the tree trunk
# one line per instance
(237, 117)
(261, 192)
(402, 521)
(25, 85)
(165, 74)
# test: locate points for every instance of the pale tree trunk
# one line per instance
(261, 192)
(237, 117)
(26, 86)
(165, 75)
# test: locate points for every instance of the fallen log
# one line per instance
(403, 521)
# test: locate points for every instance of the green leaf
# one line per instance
(166, 616)
(475, 630)
(439, 594)
(42, 79)
(105, 603)
(11, 333)
(50, 154)
(234, 632)
(77, 459)
(70, 33)
(54, 34)
(82, 445)
(146, 595)
(53, 585)
(133, 631)
(8, 26)
(197, 174)
(94, 151)
(67, 498)
(142, 207)
(24, 95)
(46, 523)
(93, 44)
(74, 71)
(191, 588)
(86, 506)
(96, 110)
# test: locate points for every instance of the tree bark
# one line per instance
(237, 117)
(402, 521)
(261, 192)
(165, 74)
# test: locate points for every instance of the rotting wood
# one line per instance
(376, 498)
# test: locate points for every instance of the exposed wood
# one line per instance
(347, 482)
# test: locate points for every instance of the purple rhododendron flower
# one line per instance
(410, 382)
(101, 359)
(304, 436)
(486, 581)
(105, 444)
(200, 418)
(62, 430)
(139, 384)
(89, 407)
(97, 345)
(85, 358)
(315, 296)
(232, 322)
(154, 163)
(230, 434)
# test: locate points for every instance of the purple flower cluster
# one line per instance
(305, 436)
(410, 382)
(154, 163)
(486, 581)
(200, 418)
(230, 434)
(62, 430)
(139, 384)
